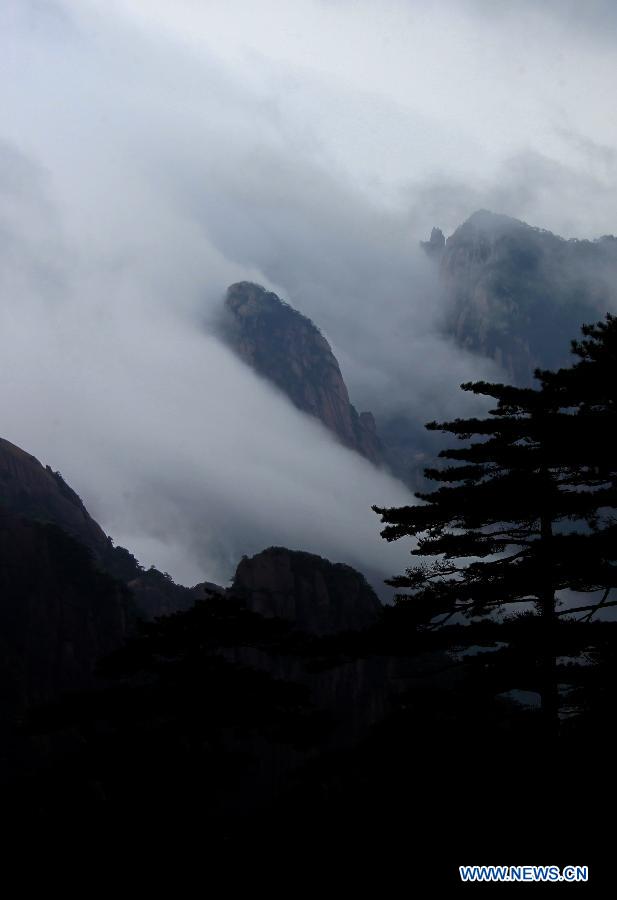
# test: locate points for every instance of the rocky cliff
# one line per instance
(28, 489)
(38, 494)
(519, 294)
(289, 350)
(316, 595)
(59, 614)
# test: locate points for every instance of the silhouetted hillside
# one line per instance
(316, 595)
(38, 494)
(59, 614)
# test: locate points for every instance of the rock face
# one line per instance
(59, 614)
(435, 244)
(289, 350)
(318, 596)
(36, 493)
(29, 490)
(519, 294)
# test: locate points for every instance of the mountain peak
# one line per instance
(484, 224)
(29, 489)
(317, 595)
(486, 217)
(435, 244)
(247, 298)
(289, 350)
(519, 294)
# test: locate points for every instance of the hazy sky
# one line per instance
(153, 151)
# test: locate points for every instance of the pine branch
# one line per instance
(601, 603)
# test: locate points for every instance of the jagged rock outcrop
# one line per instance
(289, 350)
(519, 294)
(316, 595)
(36, 493)
(435, 244)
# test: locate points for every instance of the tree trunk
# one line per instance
(548, 689)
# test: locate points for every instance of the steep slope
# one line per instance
(36, 493)
(318, 596)
(59, 614)
(519, 294)
(289, 350)
(29, 490)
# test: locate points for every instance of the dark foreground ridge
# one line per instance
(320, 597)
(38, 494)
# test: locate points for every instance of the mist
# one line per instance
(151, 154)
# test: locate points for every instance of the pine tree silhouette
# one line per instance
(525, 510)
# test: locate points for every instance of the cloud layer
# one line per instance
(153, 153)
